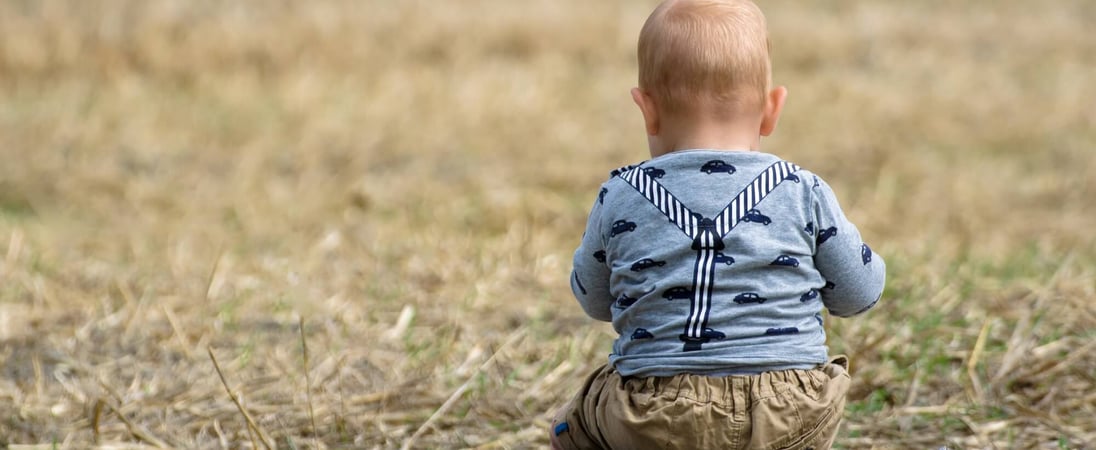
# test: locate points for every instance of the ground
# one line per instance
(339, 224)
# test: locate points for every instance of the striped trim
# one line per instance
(659, 196)
(703, 284)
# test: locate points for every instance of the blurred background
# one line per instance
(364, 211)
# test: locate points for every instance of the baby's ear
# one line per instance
(647, 106)
(774, 104)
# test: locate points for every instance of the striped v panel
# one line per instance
(754, 192)
(663, 200)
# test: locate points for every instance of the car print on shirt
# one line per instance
(601, 195)
(622, 226)
(715, 166)
(678, 293)
(781, 331)
(720, 258)
(624, 301)
(818, 317)
(829, 285)
(785, 260)
(642, 333)
(755, 216)
(709, 333)
(646, 263)
(654, 172)
(808, 296)
(825, 235)
(600, 256)
(809, 228)
(865, 253)
(793, 177)
(706, 336)
(749, 297)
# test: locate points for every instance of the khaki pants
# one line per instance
(789, 409)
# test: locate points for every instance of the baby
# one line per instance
(713, 260)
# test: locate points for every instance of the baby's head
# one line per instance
(706, 60)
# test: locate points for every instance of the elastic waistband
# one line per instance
(734, 388)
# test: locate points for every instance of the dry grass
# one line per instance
(185, 183)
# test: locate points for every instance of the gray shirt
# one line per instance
(716, 262)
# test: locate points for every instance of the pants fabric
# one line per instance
(789, 409)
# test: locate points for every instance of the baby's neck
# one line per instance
(705, 134)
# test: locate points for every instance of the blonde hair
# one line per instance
(705, 53)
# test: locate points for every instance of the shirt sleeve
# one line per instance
(590, 276)
(854, 275)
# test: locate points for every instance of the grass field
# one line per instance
(357, 216)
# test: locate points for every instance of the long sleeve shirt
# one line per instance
(716, 262)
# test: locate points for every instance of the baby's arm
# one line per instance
(590, 277)
(854, 274)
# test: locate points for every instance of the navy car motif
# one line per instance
(646, 263)
(825, 235)
(808, 296)
(693, 343)
(716, 166)
(749, 297)
(755, 216)
(625, 301)
(622, 226)
(678, 293)
(781, 331)
(654, 172)
(720, 258)
(785, 260)
(642, 333)
(601, 195)
(865, 253)
(600, 256)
